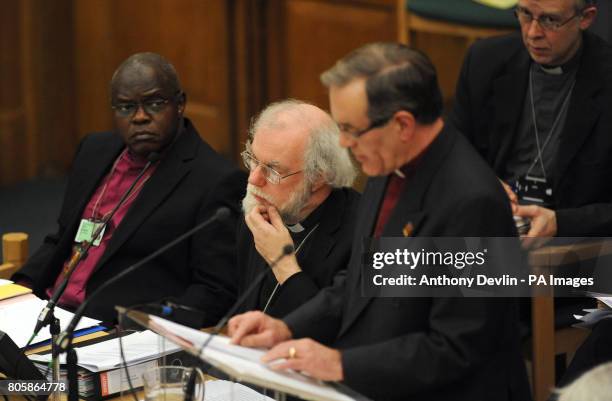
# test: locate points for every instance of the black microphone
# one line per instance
(65, 337)
(45, 314)
(167, 308)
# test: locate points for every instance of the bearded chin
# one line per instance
(248, 203)
(290, 213)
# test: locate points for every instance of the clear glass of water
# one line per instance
(171, 383)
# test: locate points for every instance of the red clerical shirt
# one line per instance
(395, 186)
(104, 199)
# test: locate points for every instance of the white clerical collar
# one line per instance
(399, 173)
(558, 70)
(295, 228)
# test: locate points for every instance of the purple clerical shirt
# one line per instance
(105, 198)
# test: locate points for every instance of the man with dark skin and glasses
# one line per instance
(184, 182)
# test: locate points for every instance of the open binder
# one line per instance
(241, 363)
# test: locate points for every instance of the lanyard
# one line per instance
(535, 125)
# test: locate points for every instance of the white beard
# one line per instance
(290, 212)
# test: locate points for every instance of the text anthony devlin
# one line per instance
(444, 280)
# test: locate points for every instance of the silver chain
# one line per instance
(535, 125)
(297, 250)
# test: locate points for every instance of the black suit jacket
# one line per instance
(425, 348)
(326, 255)
(488, 105)
(189, 184)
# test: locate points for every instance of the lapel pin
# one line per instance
(408, 229)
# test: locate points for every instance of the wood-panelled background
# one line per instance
(233, 57)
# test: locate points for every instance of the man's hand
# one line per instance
(543, 225)
(511, 195)
(307, 356)
(270, 236)
(256, 329)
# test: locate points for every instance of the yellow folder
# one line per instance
(13, 290)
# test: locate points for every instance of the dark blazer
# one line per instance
(425, 348)
(325, 255)
(488, 105)
(189, 184)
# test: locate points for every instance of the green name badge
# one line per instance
(86, 231)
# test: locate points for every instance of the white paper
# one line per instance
(197, 338)
(223, 390)
(245, 363)
(106, 355)
(18, 319)
(5, 282)
(606, 300)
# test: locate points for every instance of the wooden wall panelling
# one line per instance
(197, 41)
(53, 68)
(308, 36)
(26, 144)
(35, 88)
(248, 89)
(191, 34)
(94, 63)
(447, 54)
(13, 151)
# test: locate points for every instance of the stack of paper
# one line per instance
(18, 319)
(106, 355)
(593, 316)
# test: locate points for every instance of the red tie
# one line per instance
(392, 193)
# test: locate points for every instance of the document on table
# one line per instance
(245, 363)
(105, 355)
(18, 318)
(198, 338)
(8, 289)
(606, 300)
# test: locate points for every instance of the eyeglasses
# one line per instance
(356, 134)
(150, 106)
(271, 175)
(546, 22)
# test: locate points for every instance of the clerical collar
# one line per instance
(296, 228)
(569, 66)
(408, 169)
